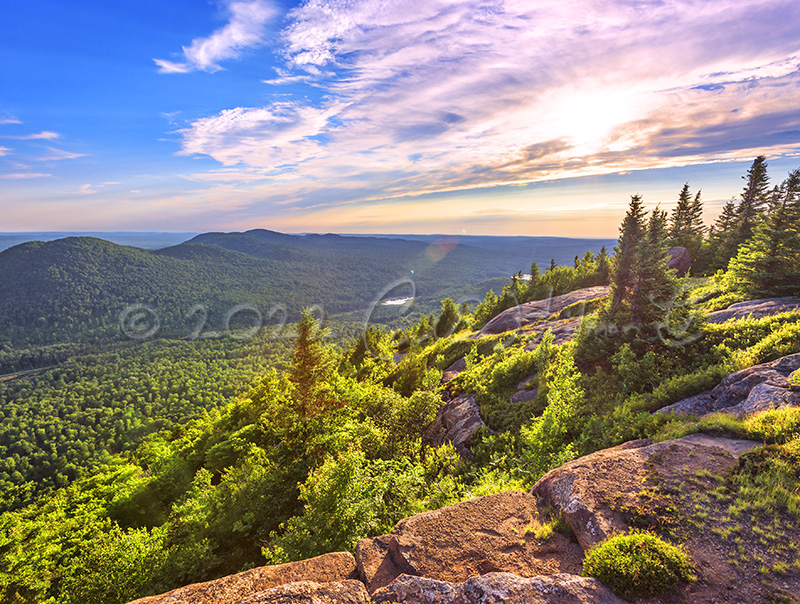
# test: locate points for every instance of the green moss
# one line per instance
(638, 565)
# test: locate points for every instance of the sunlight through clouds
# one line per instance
(447, 96)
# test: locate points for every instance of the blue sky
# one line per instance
(475, 116)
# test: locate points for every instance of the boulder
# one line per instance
(497, 588)
(308, 592)
(751, 390)
(540, 310)
(679, 260)
(492, 533)
(234, 588)
(455, 422)
(755, 308)
(453, 370)
(594, 492)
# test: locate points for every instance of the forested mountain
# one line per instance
(75, 288)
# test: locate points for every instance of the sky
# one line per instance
(495, 117)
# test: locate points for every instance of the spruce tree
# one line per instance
(655, 283)
(630, 236)
(723, 237)
(769, 264)
(603, 266)
(312, 365)
(754, 198)
(686, 226)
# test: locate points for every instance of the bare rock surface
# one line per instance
(757, 308)
(522, 396)
(594, 491)
(563, 331)
(308, 592)
(487, 534)
(235, 588)
(679, 260)
(497, 588)
(453, 370)
(539, 310)
(456, 421)
(751, 390)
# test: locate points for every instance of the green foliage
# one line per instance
(638, 565)
(118, 567)
(547, 440)
(346, 499)
(56, 425)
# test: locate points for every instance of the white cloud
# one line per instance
(9, 120)
(449, 95)
(86, 189)
(58, 154)
(246, 28)
(5, 151)
(24, 175)
(44, 135)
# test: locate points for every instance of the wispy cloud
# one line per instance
(5, 151)
(246, 28)
(44, 135)
(54, 154)
(9, 120)
(449, 96)
(24, 175)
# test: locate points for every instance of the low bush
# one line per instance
(637, 565)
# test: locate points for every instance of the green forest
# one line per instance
(132, 470)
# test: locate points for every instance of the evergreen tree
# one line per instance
(603, 266)
(723, 238)
(769, 264)
(754, 198)
(448, 320)
(681, 216)
(686, 226)
(630, 237)
(311, 367)
(655, 283)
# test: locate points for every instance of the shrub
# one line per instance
(637, 565)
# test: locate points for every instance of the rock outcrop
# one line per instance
(755, 308)
(563, 331)
(497, 588)
(308, 592)
(679, 260)
(540, 310)
(453, 370)
(455, 422)
(751, 390)
(328, 568)
(594, 492)
(494, 533)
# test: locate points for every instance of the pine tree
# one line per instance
(769, 264)
(754, 198)
(723, 238)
